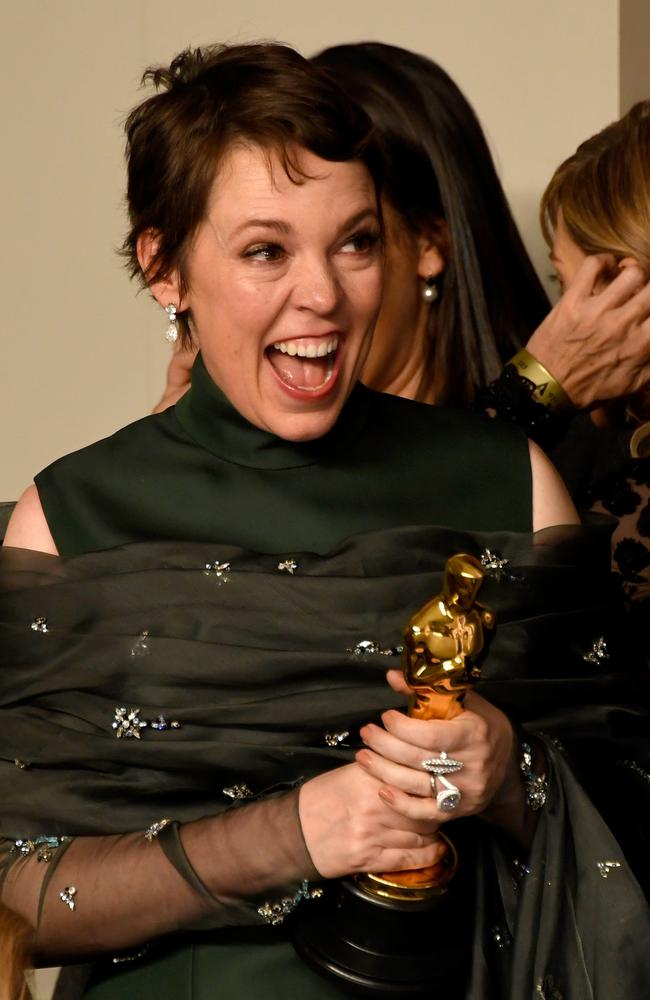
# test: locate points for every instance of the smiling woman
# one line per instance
(211, 596)
(292, 261)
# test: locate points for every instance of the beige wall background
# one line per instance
(82, 354)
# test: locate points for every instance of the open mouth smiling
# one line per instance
(306, 365)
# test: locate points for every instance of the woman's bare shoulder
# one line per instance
(551, 501)
(28, 528)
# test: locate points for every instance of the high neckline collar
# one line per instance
(210, 419)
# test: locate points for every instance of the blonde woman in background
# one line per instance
(598, 202)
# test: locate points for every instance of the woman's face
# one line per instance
(284, 284)
(399, 345)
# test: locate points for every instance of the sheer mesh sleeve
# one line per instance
(98, 894)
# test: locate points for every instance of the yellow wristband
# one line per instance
(543, 387)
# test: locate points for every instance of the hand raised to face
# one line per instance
(596, 341)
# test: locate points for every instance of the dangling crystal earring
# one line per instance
(171, 333)
(430, 290)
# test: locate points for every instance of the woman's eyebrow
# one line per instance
(359, 217)
(278, 224)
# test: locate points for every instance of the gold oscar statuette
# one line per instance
(442, 644)
(402, 933)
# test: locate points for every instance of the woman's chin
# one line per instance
(303, 426)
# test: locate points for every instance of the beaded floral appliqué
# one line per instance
(335, 739)
(160, 723)
(238, 792)
(219, 571)
(141, 646)
(605, 868)
(275, 913)
(43, 847)
(152, 832)
(598, 653)
(127, 723)
(67, 896)
(493, 564)
(370, 647)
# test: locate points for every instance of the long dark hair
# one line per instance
(437, 165)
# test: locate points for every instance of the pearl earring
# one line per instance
(171, 333)
(430, 290)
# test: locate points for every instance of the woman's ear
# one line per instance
(164, 290)
(435, 245)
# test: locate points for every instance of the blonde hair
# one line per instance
(15, 942)
(603, 191)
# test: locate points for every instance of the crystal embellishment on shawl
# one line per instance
(127, 723)
(43, 846)
(370, 647)
(238, 792)
(219, 571)
(520, 869)
(152, 832)
(536, 785)
(40, 624)
(67, 896)
(160, 723)
(23, 765)
(335, 739)
(500, 937)
(141, 645)
(119, 959)
(275, 913)
(632, 765)
(605, 868)
(493, 564)
(598, 652)
(288, 566)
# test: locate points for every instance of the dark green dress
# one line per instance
(200, 472)
(151, 522)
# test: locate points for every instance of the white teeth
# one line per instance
(296, 347)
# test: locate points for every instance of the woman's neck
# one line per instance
(398, 369)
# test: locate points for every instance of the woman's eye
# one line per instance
(361, 242)
(270, 252)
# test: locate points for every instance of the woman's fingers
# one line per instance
(410, 780)
(347, 825)
(589, 274)
(402, 860)
(625, 284)
(396, 680)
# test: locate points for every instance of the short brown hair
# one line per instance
(603, 191)
(265, 94)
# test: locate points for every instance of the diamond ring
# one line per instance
(442, 764)
(449, 795)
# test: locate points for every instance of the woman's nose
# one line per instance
(317, 288)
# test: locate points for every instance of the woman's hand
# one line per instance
(596, 340)
(481, 737)
(349, 828)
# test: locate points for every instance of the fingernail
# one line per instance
(386, 795)
(363, 758)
